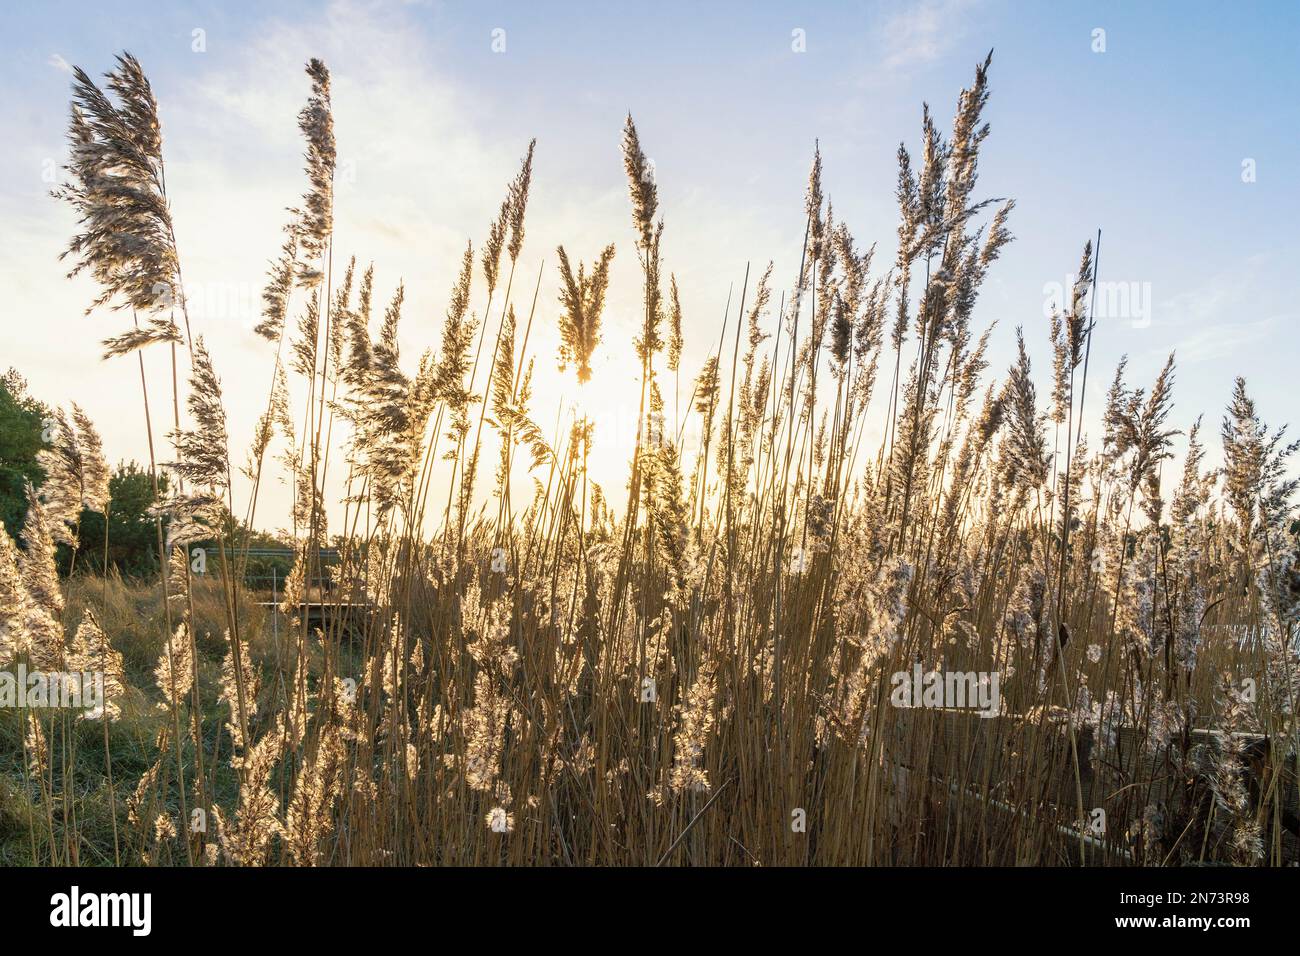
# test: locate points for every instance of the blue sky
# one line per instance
(1145, 140)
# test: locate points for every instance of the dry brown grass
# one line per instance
(704, 677)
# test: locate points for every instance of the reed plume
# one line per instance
(315, 223)
(116, 187)
(582, 296)
(641, 185)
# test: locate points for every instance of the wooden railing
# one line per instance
(989, 775)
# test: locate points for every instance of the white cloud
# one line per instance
(1205, 324)
(1217, 342)
(922, 32)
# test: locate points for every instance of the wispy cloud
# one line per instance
(921, 33)
(1207, 319)
(1217, 342)
(59, 63)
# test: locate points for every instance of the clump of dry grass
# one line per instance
(682, 682)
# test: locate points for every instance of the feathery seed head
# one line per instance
(641, 185)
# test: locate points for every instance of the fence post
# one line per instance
(275, 608)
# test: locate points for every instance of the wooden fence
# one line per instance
(989, 775)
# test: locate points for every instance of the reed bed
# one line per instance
(701, 673)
